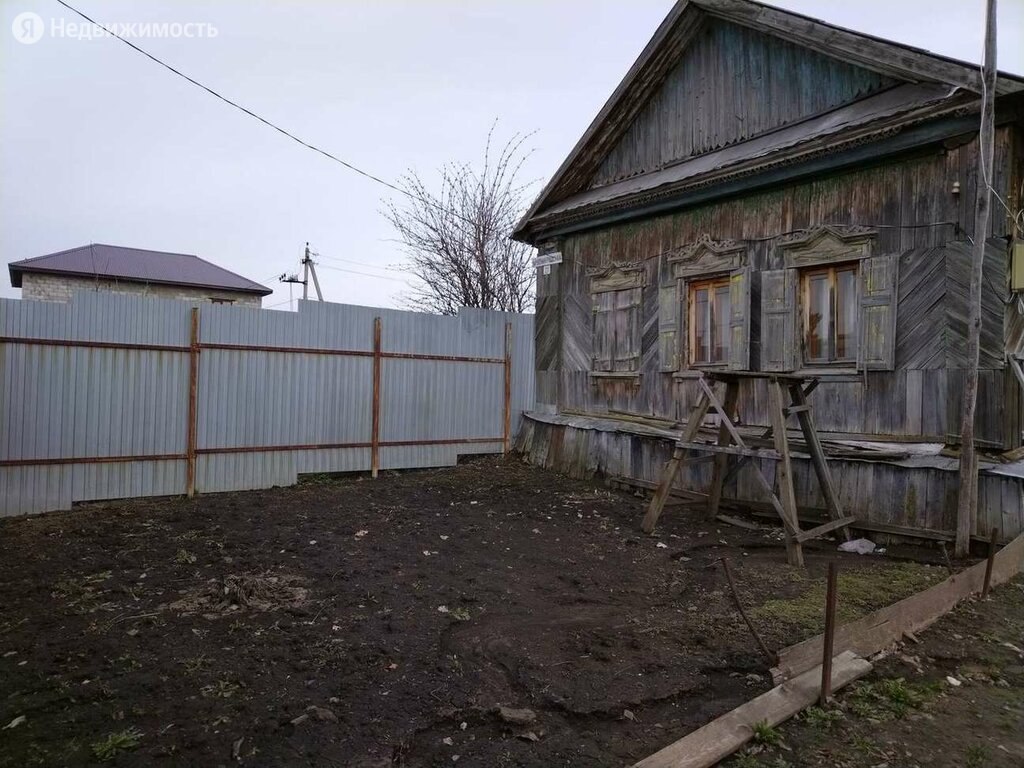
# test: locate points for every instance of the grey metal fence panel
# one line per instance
(96, 395)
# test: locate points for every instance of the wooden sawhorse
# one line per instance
(731, 443)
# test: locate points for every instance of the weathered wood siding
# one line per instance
(915, 497)
(915, 214)
(732, 83)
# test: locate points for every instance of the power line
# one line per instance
(357, 263)
(364, 274)
(265, 121)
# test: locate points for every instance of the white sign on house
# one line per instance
(546, 260)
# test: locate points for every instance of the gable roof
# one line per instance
(959, 81)
(136, 265)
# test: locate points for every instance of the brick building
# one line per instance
(98, 267)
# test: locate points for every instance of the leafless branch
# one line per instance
(457, 240)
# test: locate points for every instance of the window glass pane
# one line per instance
(720, 323)
(701, 323)
(818, 317)
(846, 314)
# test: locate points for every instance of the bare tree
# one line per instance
(458, 240)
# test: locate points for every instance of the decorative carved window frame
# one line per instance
(826, 245)
(700, 261)
(705, 257)
(617, 276)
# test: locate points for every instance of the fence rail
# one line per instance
(210, 392)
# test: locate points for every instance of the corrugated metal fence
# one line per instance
(121, 396)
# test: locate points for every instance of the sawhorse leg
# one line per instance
(672, 468)
(784, 473)
(828, 488)
(732, 392)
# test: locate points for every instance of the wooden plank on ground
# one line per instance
(720, 738)
(828, 527)
(886, 626)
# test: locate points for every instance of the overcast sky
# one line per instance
(98, 144)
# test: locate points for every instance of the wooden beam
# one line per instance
(818, 459)
(821, 530)
(879, 630)
(721, 737)
(732, 394)
(672, 468)
(709, 393)
(733, 450)
(967, 501)
(784, 474)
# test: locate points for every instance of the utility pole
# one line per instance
(305, 274)
(308, 268)
(967, 509)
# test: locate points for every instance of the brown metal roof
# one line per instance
(136, 265)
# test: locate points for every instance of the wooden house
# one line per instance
(767, 192)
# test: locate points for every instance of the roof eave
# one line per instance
(778, 169)
(16, 272)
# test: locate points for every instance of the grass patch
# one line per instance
(860, 592)
(116, 743)
(888, 699)
(766, 735)
(978, 756)
(821, 719)
(184, 557)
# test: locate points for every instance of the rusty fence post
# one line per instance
(375, 434)
(828, 639)
(507, 435)
(993, 544)
(193, 404)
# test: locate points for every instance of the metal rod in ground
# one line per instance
(992, 546)
(829, 637)
(945, 555)
(739, 605)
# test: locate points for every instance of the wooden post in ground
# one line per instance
(375, 427)
(993, 545)
(193, 404)
(830, 635)
(507, 440)
(967, 507)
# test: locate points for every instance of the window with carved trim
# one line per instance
(617, 327)
(830, 313)
(709, 306)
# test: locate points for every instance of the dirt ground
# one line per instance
(490, 614)
(909, 713)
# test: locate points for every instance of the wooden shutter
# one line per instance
(604, 331)
(878, 280)
(668, 327)
(779, 347)
(739, 320)
(628, 330)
